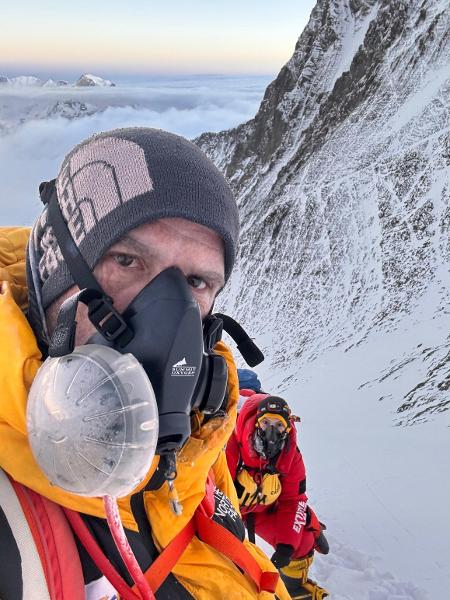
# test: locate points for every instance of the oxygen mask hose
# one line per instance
(120, 539)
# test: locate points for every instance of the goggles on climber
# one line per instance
(273, 420)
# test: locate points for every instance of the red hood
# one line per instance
(245, 429)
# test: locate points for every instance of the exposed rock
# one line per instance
(344, 189)
(70, 109)
(89, 80)
(59, 83)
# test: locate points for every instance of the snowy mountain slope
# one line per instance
(343, 182)
(89, 80)
(22, 81)
(383, 491)
(86, 80)
(27, 98)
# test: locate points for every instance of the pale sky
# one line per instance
(141, 37)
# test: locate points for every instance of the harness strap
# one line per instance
(157, 573)
(250, 521)
(95, 552)
(34, 523)
(208, 531)
(227, 544)
(54, 544)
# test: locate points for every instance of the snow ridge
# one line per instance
(343, 184)
(86, 80)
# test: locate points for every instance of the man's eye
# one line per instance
(124, 260)
(196, 282)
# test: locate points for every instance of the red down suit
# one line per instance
(283, 521)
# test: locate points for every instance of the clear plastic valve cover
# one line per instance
(92, 420)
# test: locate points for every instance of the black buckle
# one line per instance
(108, 321)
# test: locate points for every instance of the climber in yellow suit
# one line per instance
(134, 203)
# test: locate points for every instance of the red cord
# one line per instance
(116, 529)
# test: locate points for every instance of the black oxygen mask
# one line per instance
(269, 442)
(162, 328)
(167, 339)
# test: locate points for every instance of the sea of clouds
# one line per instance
(33, 145)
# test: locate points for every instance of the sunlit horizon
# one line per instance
(201, 38)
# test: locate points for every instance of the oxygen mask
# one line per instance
(162, 328)
(270, 436)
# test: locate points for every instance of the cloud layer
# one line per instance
(33, 150)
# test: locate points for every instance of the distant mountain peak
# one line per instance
(89, 80)
(22, 81)
(86, 80)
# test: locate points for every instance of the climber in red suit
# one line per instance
(269, 474)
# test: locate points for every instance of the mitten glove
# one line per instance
(282, 555)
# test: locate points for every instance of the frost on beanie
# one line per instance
(120, 179)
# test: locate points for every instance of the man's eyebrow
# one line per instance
(213, 277)
(136, 245)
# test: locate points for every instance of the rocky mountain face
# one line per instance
(343, 182)
(89, 80)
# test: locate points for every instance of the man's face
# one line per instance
(143, 253)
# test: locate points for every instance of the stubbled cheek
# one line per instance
(120, 285)
(204, 304)
(110, 277)
(84, 329)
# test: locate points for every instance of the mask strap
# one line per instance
(78, 268)
(212, 331)
(36, 312)
(102, 314)
(246, 346)
(63, 339)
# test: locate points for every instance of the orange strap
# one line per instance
(158, 571)
(210, 532)
(219, 538)
(98, 556)
(54, 543)
(226, 543)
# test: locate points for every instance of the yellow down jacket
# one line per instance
(203, 571)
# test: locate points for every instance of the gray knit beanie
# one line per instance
(120, 179)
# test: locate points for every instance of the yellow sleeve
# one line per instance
(13, 243)
(222, 477)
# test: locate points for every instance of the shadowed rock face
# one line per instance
(343, 183)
